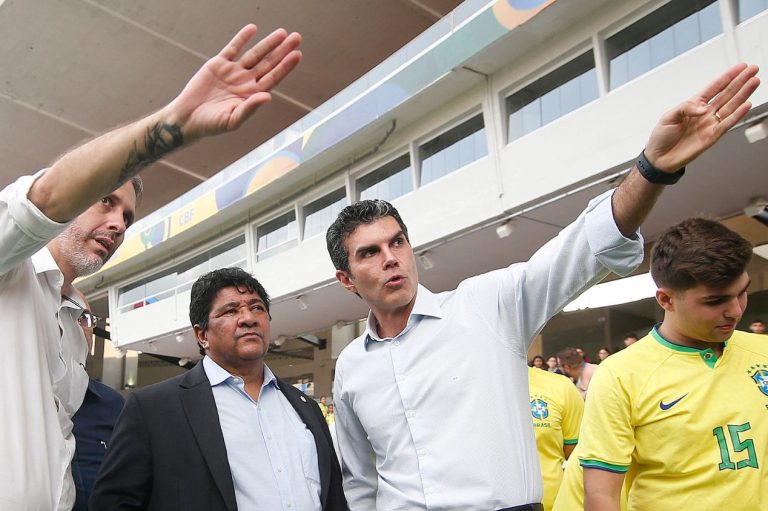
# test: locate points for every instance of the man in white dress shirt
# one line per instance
(432, 400)
(65, 222)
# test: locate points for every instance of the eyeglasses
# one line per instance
(88, 319)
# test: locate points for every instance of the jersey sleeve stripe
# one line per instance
(619, 469)
(571, 441)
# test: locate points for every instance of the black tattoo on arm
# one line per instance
(160, 140)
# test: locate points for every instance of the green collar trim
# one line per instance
(708, 355)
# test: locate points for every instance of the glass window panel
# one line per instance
(441, 155)
(750, 8)
(167, 283)
(131, 294)
(321, 213)
(281, 230)
(550, 107)
(686, 34)
(662, 48)
(481, 143)
(389, 181)
(569, 97)
(516, 125)
(588, 86)
(552, 96)
(669, 31)
(532, 116)
(228, 254)
(709, 22)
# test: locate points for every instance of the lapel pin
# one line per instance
(303, 399)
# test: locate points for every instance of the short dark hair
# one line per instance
(571, 357)
(138, 187)
(207, 286)
(699, 251)
(362, 212)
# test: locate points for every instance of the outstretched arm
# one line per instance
(223, 93)
(680, 136)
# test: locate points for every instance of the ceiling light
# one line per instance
(426, 262)
(279, 341)
(505, 229)
(301, 303)
(761, 250)
(615, 292)
(183, 361)
(757, 208)
(757, 131)
(179, 338)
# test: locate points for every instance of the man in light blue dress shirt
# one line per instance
(228, 434)
(432, 405)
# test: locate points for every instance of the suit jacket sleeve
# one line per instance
(125, 479)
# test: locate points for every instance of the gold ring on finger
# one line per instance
(717, 116)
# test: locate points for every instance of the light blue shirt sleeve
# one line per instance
(358, 460)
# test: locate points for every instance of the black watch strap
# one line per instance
(654, 175)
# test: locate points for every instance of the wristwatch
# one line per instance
(654, 175)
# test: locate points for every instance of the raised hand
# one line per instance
(230, 86)
(692, 127)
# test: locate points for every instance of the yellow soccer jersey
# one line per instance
(570, 496)
(690, 429)
(556, 407)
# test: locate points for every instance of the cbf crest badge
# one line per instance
(539, 409)
(759, 373)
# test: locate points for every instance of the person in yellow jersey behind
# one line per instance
(570, 495)
(683, 413)
(556, 408)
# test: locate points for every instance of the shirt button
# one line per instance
(400, 377)
(269, 437)
(396, 343)
(410, 414)
(279, 469)
(422, 452)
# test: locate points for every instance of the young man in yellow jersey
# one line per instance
(683, 413)
(556, 408)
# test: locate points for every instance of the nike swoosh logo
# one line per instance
(667, 406)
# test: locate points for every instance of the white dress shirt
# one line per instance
(438, 417)
(42, 372)
(272, 454)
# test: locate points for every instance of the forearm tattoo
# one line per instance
(160, 140)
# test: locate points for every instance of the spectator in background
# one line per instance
(757, 327)
(629, 340)
(553, 366)
(329, 417)
(602, 354)
(93, 422)
(323, 406)
(580, 351)
(556, 408)
(576, 368)
(537, 362)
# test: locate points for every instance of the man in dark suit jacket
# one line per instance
(221, 437)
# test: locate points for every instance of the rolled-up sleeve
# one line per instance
(24, 229)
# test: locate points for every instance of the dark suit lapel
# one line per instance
(199, 405)
(304, 409)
